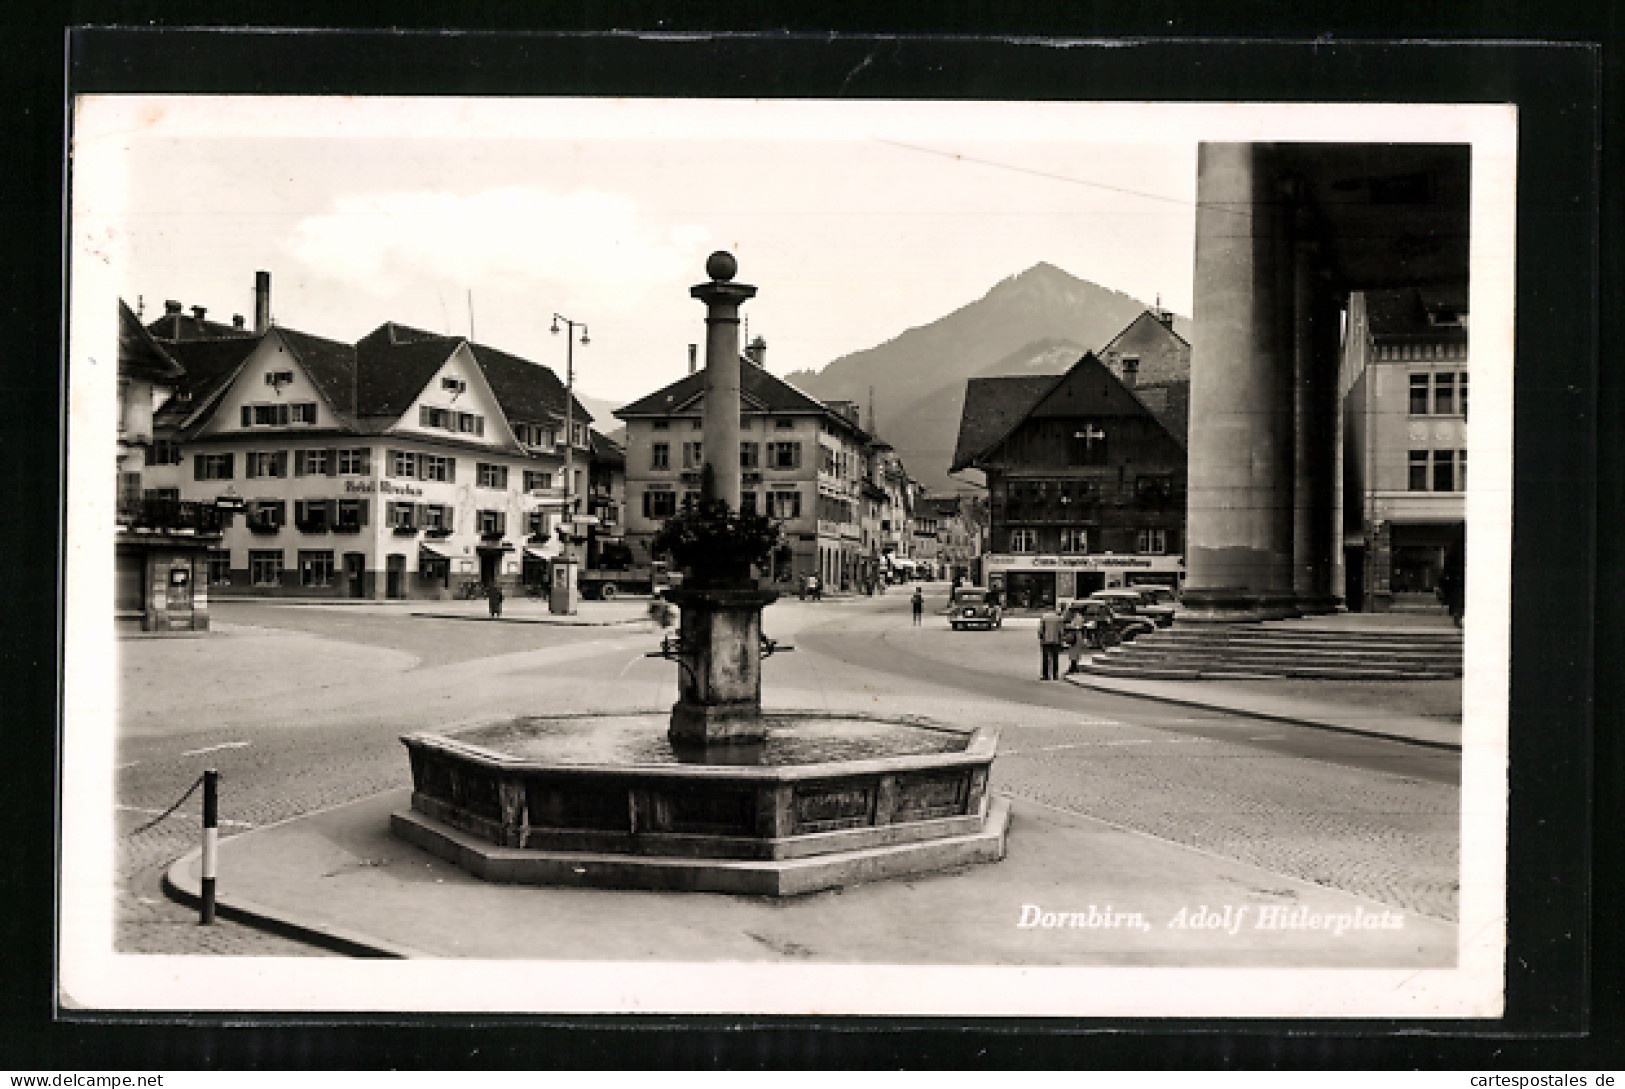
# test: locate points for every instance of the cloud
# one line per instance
(595, 241)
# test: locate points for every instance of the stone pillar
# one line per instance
(721, 423)
(1241, 495)
(1324, 508)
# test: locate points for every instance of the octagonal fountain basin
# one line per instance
(607, 801)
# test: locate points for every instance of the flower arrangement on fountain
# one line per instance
(713, 543)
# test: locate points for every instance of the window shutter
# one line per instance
(451, 470)
(248, 416)
(282, 415)
(250, 465)
(362, 507)
(479, 426)
(446, 518)
(332, 463)
(502, 522)
(366, 461)
(331, 508)
(226, 466)
(646, 505)
(280, 509)
(281, 460)
(197, 467)
(420, 515)
(299, 514)
(298, 463)
(419, 460)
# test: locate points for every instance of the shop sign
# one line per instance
(1084, 563)
(387, 487)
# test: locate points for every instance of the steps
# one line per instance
(1286, 648)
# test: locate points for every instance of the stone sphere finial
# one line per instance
(721, 265)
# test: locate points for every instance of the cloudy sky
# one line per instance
(856, 221)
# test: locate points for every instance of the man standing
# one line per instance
(493, 598)
(1051, 634)
(918, 603)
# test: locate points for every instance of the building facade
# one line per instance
(803, 463)
(1404, 397)
(409, 464)
(1086, 485)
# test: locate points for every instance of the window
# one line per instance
(784, 505)
(747, 502)
(784, 425)
(536, 481)
(352, 515)
(265, 568)
(470, 423)
(315, 568)
(265, 415)
(304, 412)
(750, 455)
(1418, 479)
(164, 452)
(429, 416)
(453, 383)
(661, 425)
(403, 463)
(659, 504)
(1152, 542)
(219, 567)
(660, 456)
(1023, 540)
(312, 515)
(490, 476)
(436, 519)
(211, 466)
(355, 462)
(1461, 467)
(492, 523)
(1419, 394)
(537, 523)
(313, 462)
(269, 463)
(1444, 393)
(435, 467)
(784, 455)
(696, 425)
(1074, 539)
(279, 378)
(693, 455)
(403, 517)
(1131, 367)
(266, 515)
(1444, 470)
(1461, 387)
(580, 432)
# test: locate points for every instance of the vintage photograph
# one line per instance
(788, 557)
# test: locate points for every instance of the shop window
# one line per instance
(659, 504)
(1023, 540)
(660, 456)
(265, 568)
(316, 568)
(1418, 478)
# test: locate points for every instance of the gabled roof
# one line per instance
(1147, 320)
(397, 361)
(993, 407)
(210, 365)
(757, 387)
(606, 451)
(177, 326)
(329, 364)
(139, 354)
(1405, 316)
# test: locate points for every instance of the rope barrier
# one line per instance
(178, 803)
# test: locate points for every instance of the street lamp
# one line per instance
(563, 598)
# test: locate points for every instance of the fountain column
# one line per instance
(720, 667)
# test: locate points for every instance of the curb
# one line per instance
(1082, 681)
(531, 620)
(252, 915)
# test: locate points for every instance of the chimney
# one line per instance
(756, 352)
(172, 306)
(262, 301)
(236, 321)
(693, 357)
(198, 312)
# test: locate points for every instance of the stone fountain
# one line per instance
(715, 795)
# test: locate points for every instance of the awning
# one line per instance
(500, 546)
(537, 552)
(438, 551)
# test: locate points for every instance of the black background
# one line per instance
(1564, 969)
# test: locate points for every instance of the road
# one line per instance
(300, 708)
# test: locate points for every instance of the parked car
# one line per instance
(1148, 604)
(971, 607)
(1128, 606)
(1102, 628)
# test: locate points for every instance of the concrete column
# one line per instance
(1325, 414)
(1241, 496)
(721, 422)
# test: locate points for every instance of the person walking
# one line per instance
(1051, 634)
(917, 602)
(493, 598)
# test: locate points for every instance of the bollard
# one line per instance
(211, 839)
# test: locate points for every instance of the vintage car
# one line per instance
(1140, 601)
(971, 607)
(1131, 622)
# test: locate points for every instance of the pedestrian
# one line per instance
(1051, 633)
(493, 598)
(918, 604)
(1075, 641)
